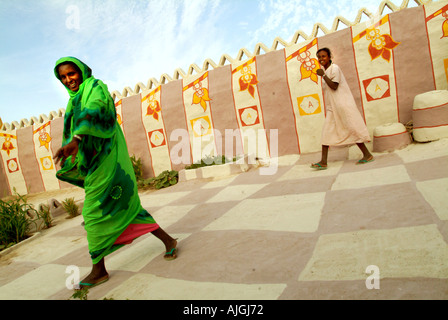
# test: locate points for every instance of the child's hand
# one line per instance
(320, 72)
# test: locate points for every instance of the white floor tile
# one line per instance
(168, 215)
(436, 193)
(222, 182)
(45, 249)
(234, 193)
(422, 151)
(150, 287)
(161, 199)
(303, 171)
(371, 177)
(398, 253)
(297, 213)
(40, 283)
(135, 256)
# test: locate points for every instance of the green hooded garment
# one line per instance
(112, 207)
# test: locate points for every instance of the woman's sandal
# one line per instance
(170, 255)
(91, 285)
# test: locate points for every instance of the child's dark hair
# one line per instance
(327, 51)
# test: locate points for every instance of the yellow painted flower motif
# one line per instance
(44, 139)
(445, 25)
(200, 95)
(309, 66)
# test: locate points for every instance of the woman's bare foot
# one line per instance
(97, 276)
(93, 280)
(169, 242)
(171, 250)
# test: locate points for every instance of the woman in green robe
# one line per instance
(94, 156)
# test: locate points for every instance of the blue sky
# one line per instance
(131, 41)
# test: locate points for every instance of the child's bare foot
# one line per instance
(365, 159)
(319, 166)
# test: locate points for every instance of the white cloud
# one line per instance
(183, 35)
(285, 17)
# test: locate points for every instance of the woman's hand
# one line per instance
(70, 149)
(320, 72)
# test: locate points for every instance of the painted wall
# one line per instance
(267, 104)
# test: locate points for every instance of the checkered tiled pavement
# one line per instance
(295, 234)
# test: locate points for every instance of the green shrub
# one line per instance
(44, 214)
(209, 161)
(138, 167)
(81, 294)
(71, 207)
(166, 179)
(15, 220)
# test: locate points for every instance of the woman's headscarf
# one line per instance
(86, 73)
(91, 112)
